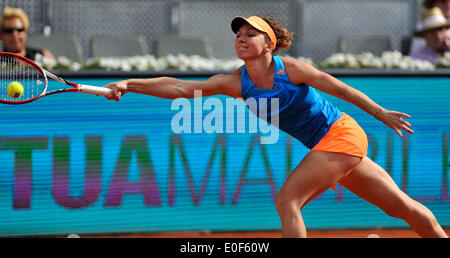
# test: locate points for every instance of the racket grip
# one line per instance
(94, 90)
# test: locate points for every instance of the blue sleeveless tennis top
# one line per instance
(303, 113)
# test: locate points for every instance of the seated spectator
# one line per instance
(433, 28)
(418, 43)
(14, 26)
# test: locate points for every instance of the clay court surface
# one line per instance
(363, 233)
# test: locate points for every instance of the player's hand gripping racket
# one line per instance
(33, 79)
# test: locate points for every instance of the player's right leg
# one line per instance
(372, 183)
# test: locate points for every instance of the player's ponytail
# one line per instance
(284, 37)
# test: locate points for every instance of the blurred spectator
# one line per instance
(14, 26)
(433, 28)
(418, 43)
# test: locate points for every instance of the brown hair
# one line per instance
(284, 37)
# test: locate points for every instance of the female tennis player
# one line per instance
(338, 144)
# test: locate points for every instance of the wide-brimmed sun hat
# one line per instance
(431, 19)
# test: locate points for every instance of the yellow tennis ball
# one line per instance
(15, 90)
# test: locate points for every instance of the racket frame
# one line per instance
(37, 67)
(75, 87)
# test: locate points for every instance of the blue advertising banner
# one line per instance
(77, 163)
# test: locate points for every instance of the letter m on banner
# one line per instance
(176, 142)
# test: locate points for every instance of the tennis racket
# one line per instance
(33, 78)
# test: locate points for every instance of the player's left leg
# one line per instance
(372, 183)
(317, 172)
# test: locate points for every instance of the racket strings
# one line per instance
(15, 70)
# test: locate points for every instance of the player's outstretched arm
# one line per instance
(172, 88)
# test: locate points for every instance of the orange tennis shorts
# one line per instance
(345, 136)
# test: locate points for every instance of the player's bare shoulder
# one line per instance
(293, 65)
(296, 70)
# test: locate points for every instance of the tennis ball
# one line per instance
(15, 90)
